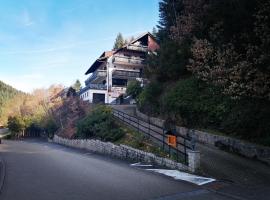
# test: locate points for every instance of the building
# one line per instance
(110, 73)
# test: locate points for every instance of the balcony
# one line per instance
(140, 48)
(98, 75)
(126, 74)
(97, 86)
(125, 60)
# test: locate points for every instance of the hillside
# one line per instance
(212, 69)
(6, 93)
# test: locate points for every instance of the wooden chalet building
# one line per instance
(110, 73)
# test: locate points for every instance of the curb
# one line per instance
(2, 173)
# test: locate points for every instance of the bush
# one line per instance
(51, 127)
(134, 89)
(99, 124)
(16, 124)
(195, 104)
(148, 98)
(249, 119)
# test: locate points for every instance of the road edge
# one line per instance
(2, 173)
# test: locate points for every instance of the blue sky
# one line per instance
(43, 42)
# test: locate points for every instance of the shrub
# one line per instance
(16, 124)
(134, 89)
(99, 124)
(196, 103)
(249, 119)
(193, 103)
(148, 98)
(51, 127)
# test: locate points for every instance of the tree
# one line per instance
(233, 55)
(16, 124)
(119, 41)
(168, 12)
(154, 32)
(77, 85)
(134, 89)
(172, 57)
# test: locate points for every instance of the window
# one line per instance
(119, 82)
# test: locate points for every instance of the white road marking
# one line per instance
(140, 165)
(198, 180)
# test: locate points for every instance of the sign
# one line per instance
(172, 140)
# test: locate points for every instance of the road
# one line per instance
(36, 169)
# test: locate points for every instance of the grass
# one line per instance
(140, 141)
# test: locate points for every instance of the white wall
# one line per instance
(88, 95)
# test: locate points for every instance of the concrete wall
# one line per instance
(227, 143)
(129, 153)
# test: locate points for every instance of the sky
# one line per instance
(45, 42)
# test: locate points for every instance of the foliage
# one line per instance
(77, 85)
(99, 123)
(16, 124)
(230, 44)
(134, 89)
(213, 66)
(193, 103)
(169, 62)
(119, 41)
(139, 141)
(6, 94)
(51, 127)
(168, 10)
(31, 112)
(148, 98)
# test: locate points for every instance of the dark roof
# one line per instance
(99, 61)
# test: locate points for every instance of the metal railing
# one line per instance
(126, 74)
(128, 60)
(97, 86)
(157, 134)
(95, 74)
(137, 47)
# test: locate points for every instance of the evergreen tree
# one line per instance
(119, 41)
(168, 12)
(154, 32)
(6, 93)
(77, 85)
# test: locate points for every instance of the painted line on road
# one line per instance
(140, 165)
(177, 175)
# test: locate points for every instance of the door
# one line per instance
(98, 98)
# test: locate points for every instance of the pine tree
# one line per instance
(119, 41)
(77, 85)
(168, 12)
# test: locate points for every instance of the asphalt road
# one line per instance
(37, 170)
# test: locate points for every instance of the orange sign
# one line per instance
(171, 140)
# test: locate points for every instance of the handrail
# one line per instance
(148, 128)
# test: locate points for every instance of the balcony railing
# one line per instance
(97, 86)
(126, 74)
(137, 48)
(128, 60)
(95, 75)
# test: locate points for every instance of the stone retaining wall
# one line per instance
(129, 153)
(227, 143)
